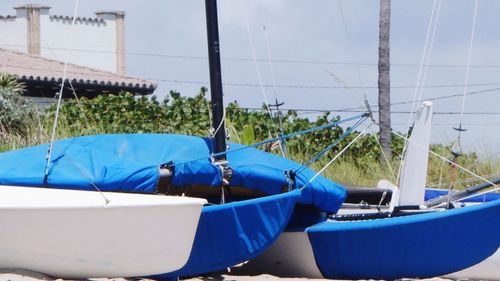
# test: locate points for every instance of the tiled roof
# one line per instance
(34, 68)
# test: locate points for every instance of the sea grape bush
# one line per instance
(125, 113)
(22, 125)
(15, 111)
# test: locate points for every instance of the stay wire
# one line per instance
(356, 66)
(307, 131)
(467, 69)
(456, 148)
(422, 73)
(336, 157)
(59, 102)
(316, 157)
(446, 159)
(273, 80)
(259, 77)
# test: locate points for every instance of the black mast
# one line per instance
(215, 79)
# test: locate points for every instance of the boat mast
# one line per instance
(215, 80)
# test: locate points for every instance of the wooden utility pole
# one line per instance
(384, 84)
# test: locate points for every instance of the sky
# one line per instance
(322, 55)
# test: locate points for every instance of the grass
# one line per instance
(348, 171)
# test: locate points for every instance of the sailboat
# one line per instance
(487, 269)
(406, 241)
(249, 191)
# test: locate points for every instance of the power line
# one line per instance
(298, 86)
(289, 86)
(240, 59)
(315, 111)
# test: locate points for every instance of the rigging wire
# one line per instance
(291, 135)
(464, 181)
(456, 148)
(59, 101)
(80, 107)
(422, 74)
(358, 72)
(446, 160)
(330, 146)
(467, 70)
(273, 80)
(336, 157)
(432, 99)
(259, 77)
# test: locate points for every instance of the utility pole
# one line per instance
(384, 84)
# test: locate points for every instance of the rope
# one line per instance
(259, 77)
(58, 107)
(422, 73)
(427, 55)
(446, 159)
(332, 145)
(310, 130)
(467, 69)
(456, 148)
(465, 181)
(335, 158)
(392, 176)
(356, 66)
(223, 119)
(271, 69)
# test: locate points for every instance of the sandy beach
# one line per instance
(19, 275)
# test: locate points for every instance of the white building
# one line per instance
(95, 42)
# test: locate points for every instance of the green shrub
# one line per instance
(16, 112)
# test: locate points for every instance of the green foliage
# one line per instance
(126, 113)
(9, 83)
(16, 113)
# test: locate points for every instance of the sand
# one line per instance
(19, 275)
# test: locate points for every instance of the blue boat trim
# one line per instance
(236, 232)
(431, 193)
(417, 246)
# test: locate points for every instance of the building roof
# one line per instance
(35, 69)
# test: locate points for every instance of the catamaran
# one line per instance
(405, 241)
(249, 191)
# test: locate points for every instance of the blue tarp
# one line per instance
(236, 232)
(129, 163)
(417, 246)
(486, 197)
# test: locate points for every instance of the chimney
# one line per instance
(32, 14)
(118, 17)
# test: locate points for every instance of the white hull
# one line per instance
(290, 256)
(489, 269)
(74, 234)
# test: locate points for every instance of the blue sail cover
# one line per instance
(417, 246)
(130, 162)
